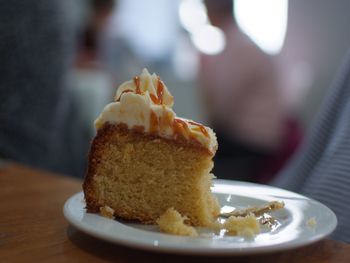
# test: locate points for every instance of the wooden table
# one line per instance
(33, 229)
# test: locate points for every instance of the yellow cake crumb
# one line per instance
(312, 222)
(107, 211)
(216, 225)
(172, 222)
(247, 226)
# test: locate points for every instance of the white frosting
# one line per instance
(142, 107)
(148, 85)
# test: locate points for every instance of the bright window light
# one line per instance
(209, 40)
(206, 38)
(192, 14)
(265, 22)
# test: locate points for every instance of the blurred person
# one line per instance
(38, 124)
(91, 80)
(242, 95)
(98, 13)
(321, 167)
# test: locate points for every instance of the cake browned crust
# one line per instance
(140, 175)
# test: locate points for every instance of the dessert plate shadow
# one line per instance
(303, 221)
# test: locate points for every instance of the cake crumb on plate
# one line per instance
(247, 226)
(107, 211)
(312, 222)
(172, 222)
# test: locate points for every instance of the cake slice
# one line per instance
(144, 159)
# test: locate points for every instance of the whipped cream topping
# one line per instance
(146, 102)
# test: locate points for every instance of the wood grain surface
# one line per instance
(33, 229)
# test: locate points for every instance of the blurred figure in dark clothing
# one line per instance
(98, 13)
(93, 83)
(321, 167)
(242, 93)
(38, 125)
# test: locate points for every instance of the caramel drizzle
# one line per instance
(178, 124)
(154, 123)
(124, 91)
(137, 84)
(201, 127)
(137, 90)
(156, 99)
(160, 91)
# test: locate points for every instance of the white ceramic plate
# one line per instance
(292, 230)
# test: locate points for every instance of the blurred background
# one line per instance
(309, 38)
(255, 71)
(180, 41)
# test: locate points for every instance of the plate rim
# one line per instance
(208, 251)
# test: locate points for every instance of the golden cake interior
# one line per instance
(141, 175)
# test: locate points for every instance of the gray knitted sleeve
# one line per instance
(36, 45)
(321, 169)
